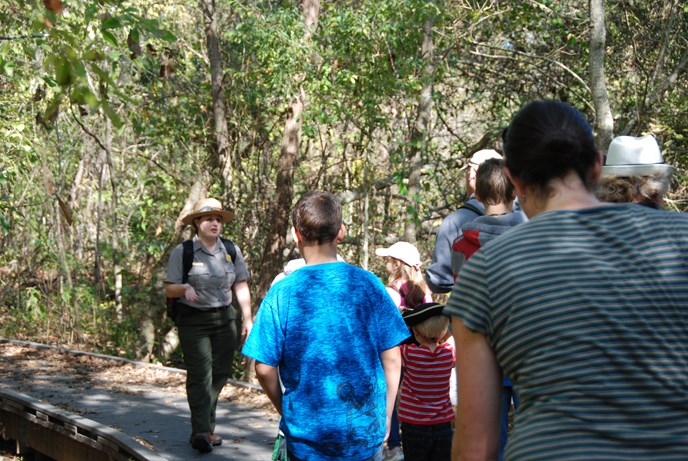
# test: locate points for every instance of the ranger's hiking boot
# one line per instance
(203, 442)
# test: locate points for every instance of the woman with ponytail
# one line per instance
(584, 307)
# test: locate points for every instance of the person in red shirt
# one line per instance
(425, 409)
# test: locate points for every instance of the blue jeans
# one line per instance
(394, 439)
(427, 443)
(507, 394)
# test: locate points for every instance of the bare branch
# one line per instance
(567, 69)
(21, 37)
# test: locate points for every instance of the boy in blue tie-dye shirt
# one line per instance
(333, 332)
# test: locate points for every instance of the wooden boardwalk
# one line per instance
(152, 417)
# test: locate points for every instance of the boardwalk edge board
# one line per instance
(63, 435)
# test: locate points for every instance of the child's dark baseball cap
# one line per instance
(422, 313)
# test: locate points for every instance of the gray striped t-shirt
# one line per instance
(587, 312)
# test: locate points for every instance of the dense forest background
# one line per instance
(116, 116)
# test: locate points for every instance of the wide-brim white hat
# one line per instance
(403, 251)
(634, 156)
(208, 206)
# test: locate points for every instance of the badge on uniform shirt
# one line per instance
(228, 258)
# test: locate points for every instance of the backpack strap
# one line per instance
(231, 249)
(187, 259)
(471, 207)
(188, 253)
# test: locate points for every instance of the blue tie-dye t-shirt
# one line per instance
(325, 327)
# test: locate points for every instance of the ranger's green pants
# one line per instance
(208, 342)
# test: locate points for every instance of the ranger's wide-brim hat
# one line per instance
(631, 156)
(205, 207)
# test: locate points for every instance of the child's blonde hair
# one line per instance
(434, 328)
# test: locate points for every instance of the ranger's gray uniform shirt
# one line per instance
(212, 274)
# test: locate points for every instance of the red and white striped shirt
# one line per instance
(425, 387)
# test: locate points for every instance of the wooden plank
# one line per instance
(63, 435)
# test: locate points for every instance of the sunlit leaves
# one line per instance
(6, 67)
(112, 115)
(109, 37)
(83, 95)
(81, 46)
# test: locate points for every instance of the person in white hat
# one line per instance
(584, 307)
(634, 172)
(439, 275)
(408, 290)
(205, 317)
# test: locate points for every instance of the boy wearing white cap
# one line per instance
(439, 275)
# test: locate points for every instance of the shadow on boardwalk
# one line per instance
(153, 415)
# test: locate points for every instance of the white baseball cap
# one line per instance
(479, 157)
(403, 251)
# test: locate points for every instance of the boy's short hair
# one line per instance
(434, 327)
(492, 186)
(317, 216)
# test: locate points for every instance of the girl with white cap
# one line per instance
(634, 172)
(408, 289)
(406, 283)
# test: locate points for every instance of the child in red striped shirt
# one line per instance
(425, 409)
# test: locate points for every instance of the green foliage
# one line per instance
(82, 48)
(107, 123)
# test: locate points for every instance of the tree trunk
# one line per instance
(71, 313)
(116, 264)
(271, 262)
(311, 13)
(101, 166)
(272, 259)
(604, 121)
(419, 136)
(221, 130)
(365, 245)
(78, 232)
